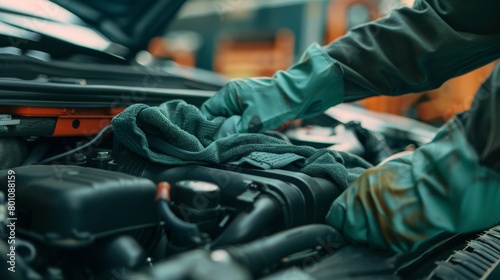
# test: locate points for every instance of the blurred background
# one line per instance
(246, 38)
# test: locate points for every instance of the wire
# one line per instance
(97, 137)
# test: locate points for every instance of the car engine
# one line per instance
(79, 207)
(75, 204)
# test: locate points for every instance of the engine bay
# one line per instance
(76, 204)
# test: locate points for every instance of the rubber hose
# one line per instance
(263, 253)
(247, 226)
(13, 151)
(173, 222)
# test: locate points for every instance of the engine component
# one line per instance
(195, 265)
(29, 127)
(25, 250)
(189, 193)
(346, 263)
(386, 124)
(37, 153)
(262, 201)
(116, 252)
(318, 193)
(301, 198)
(350, 137)
(249, 225)
(69, 207)
(12, 152)
(480, 259)
(247, 260)
(69, 121)
(197, 202)
(79, 148)
(22, 270)
(185, 235)
(101, 160)
(261, 254)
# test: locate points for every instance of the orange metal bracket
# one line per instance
(70, 121)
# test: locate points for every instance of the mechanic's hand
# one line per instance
(306, 89)
(440, 188)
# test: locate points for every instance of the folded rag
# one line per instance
(176, 133)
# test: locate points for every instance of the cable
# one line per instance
(97, 137)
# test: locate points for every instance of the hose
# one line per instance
(171, 220)
(263, 253)
(36, 153)
(12, 152)
(248, 226)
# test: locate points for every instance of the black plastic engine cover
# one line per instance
(303, 199)
(68, 206)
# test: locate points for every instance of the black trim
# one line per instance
(479, 259)
(24, 93)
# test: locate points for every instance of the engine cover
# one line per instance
(69, 207)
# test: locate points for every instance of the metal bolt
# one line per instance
(103, 155)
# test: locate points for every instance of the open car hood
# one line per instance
(131, 23)
(121, 28)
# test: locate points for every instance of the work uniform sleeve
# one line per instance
(440, 188)
(417, 49)
(446, 186)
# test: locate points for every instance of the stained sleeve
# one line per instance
(417, 49)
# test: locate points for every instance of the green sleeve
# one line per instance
(440, 188)
(417, 49)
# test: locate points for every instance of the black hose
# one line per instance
(173, 222)
(36, 153)
(248, 226)
(12, 152)
(263, 253)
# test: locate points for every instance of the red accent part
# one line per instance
(81, 126)
(70, 121)
(163, 191)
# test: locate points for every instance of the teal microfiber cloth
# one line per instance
(176, 133)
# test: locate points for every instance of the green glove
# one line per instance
(307, 88)
(440, 188)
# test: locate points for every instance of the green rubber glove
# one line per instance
(440, 188)
(306, 89)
